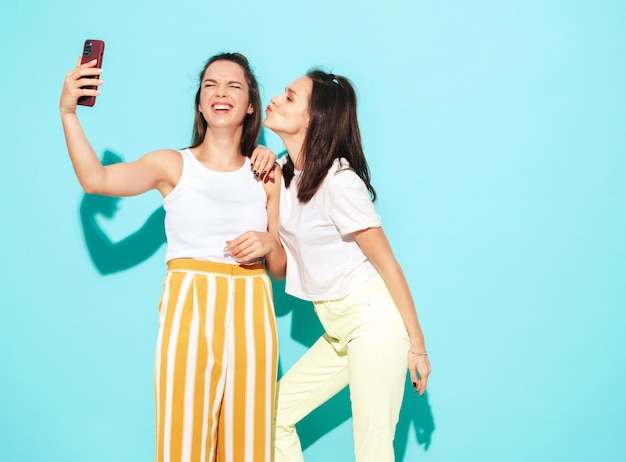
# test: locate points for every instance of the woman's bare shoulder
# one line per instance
(167, 165)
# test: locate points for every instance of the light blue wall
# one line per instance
(496, 135)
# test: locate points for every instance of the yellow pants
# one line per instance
(216, 364)
(365, 346)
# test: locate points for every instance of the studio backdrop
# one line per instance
(495, 132)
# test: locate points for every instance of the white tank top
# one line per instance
(207, 208)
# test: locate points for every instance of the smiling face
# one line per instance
(224, 100)
(288, 113)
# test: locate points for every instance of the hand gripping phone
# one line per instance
(92, 49)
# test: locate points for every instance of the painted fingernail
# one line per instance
(264, 172)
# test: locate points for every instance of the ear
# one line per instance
(250, 109)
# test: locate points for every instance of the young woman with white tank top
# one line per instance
(217, 351)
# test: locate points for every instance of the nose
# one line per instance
(220, 90)
(274, 101)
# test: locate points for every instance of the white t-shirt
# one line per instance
(323, 260)
(206, 208)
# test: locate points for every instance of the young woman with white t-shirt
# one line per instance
(339, 258)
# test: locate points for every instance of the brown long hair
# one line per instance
(252, 122)
(333, 133)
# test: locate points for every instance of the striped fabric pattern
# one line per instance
(216, 364)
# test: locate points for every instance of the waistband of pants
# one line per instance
(227, 269)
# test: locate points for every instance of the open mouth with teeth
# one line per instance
(221, 108)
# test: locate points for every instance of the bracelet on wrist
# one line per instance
(418, 353)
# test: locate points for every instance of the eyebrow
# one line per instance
(289, 90)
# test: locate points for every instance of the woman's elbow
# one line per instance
(94, 184)
(276, 271)
(278, 276)
(89, 188)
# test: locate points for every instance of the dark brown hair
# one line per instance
(333, 133)
(252, 122)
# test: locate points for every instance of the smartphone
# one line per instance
(92, 49)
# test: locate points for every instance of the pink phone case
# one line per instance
(92, 49)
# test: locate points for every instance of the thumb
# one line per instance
(414, 379)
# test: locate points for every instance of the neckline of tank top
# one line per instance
(230, 172)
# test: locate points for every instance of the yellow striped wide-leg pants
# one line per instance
(216, 363)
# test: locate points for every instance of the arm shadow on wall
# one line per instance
(306, 329)
(108, 256)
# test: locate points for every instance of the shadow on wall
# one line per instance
(306, 329)
(110, 257)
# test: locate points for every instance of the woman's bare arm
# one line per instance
(152, 171)
(374, 244)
